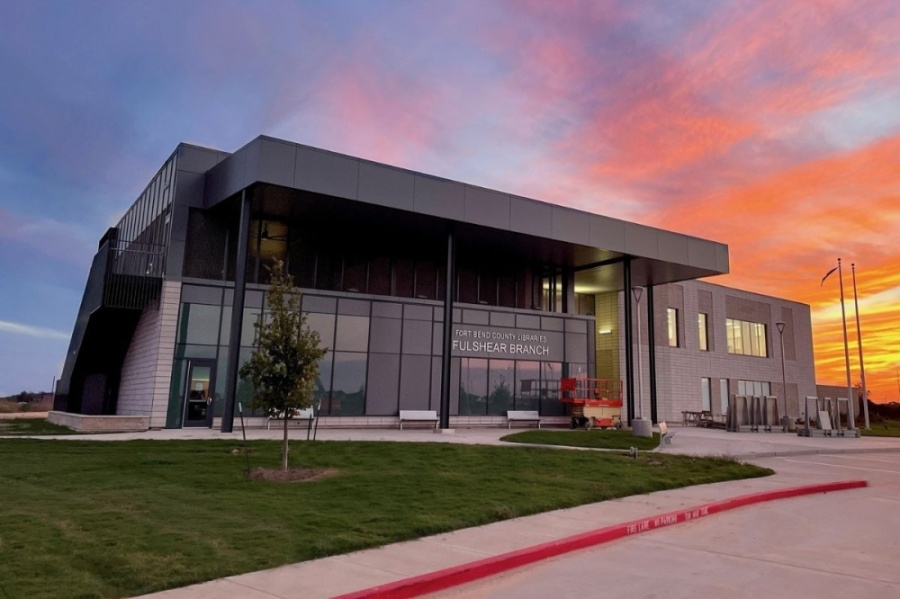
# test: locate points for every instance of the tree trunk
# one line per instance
(284, 450)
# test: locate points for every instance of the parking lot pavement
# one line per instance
(828, 545)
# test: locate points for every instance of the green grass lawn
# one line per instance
(32, 426)
(887, 428)
(598, 439)
(114, 519)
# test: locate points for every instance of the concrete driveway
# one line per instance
(841, 544)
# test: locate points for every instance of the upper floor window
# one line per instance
(672, 315)
(703, 331)
(746, 338)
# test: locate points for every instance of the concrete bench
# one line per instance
(418, 416)
(523, 415)
(307, 414)
(665, 435)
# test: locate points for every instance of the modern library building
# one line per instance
(430, 294)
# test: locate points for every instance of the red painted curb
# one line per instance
(457, 575)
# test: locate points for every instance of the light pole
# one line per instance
(850, 424)
(862, 367)
(638, 292)
(780, 326)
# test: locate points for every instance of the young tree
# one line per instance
(285, 364)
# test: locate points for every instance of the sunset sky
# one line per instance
(768, 125)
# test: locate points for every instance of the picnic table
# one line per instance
(697, 418)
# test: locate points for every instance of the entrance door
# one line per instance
(198, 394)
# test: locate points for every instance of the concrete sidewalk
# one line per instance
(687, 440)
(363, 569)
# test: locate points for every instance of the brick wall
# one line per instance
(147, 369)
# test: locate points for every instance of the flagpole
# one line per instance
(850, 418)
(862, 368)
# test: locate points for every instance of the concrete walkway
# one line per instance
(687, 440)
(363, 569)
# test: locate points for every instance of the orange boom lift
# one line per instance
(595, 402)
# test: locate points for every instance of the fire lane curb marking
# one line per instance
(439, 580)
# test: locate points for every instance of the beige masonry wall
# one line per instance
(147, 369)
(679, 370)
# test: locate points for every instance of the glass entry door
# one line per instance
(197, 396)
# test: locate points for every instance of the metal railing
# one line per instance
(134, 273)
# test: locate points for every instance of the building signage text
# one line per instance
(496, 342)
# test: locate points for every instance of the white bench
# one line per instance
(665, 435)
(524, 415)
(418, 416)
(307, 414)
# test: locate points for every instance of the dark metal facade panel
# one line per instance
(527, 321)
(326, 173)
(417, 337)
(529, 217)
(552, 324)
(486, 207)
(415, 382)
(439, 197)
(383, 384)
(570, 225)
(413, 312)
(201, 294)
(273, 162)
(607, 233)
(503, 319)
(267, 159)
(386, 186)
(195, 159)
(437, 336)
(387, 310)
(641, 241)
(673, 247)
(701, 254)
(385, 335)
(353, 307)
(721, 258)
(315, 303)
(475, 317)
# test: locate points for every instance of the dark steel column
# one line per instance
(629, 340)
(651, 345)
(237, 314)
(446, 363)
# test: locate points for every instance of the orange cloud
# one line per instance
(786, 231)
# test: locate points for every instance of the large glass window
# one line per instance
(323, 324)
(672, 316)
(355, 273)
(706, 394)
(551, 373)
(352, 333)
(348, 387)
(380, 275)
(322, 387)
(473, 379)
(426, 279)
(754, 388)
(746, 338)
(703, 331)
(528, 385)
(404, 277)
(199, 324)
(500, 398)
(248, 326)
